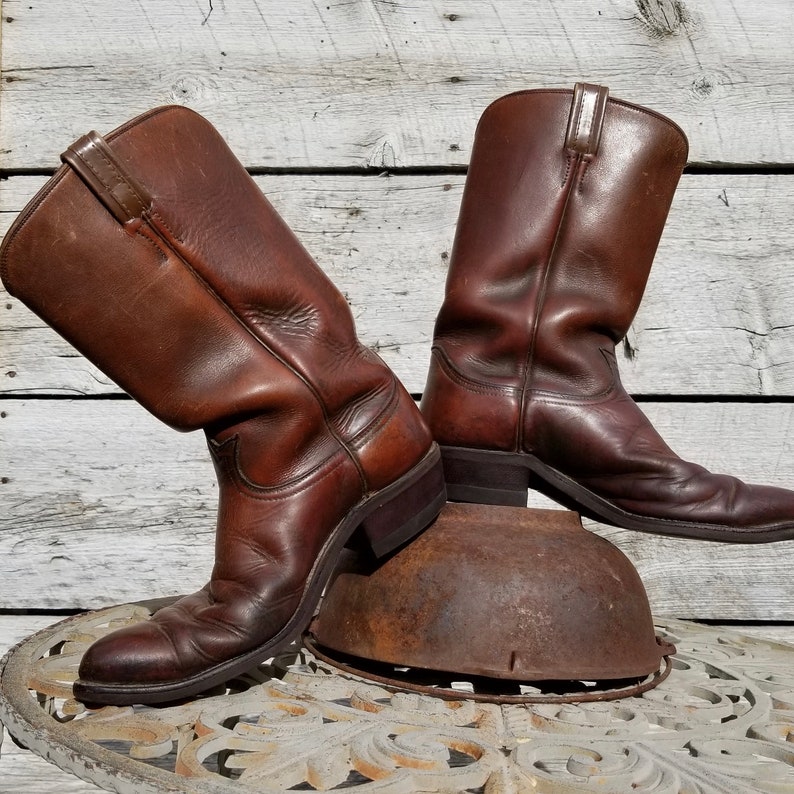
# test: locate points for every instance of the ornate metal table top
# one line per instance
(722, 722)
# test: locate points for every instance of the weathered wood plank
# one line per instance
(103, 504)
(715, 320)
(15, 628)
(93, 521)
(387, 83)
(768, 631)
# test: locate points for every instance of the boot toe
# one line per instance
(139, 654)
(768, 510)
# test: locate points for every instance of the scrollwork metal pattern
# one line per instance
(722, 722)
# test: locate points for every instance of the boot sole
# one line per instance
(504, 478)
(384, 521)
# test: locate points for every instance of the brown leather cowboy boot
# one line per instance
(565, 201)
(156, 255)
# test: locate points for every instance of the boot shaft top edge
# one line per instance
(526, 96)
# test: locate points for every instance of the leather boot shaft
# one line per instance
(565, 201)
(155, 254)
(565, 188)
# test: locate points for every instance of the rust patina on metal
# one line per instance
(499, 592)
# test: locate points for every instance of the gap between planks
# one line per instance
(716, 318)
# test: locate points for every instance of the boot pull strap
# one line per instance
(586, 118)
(94, 162)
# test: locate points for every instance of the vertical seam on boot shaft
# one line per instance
(576, 152)
(149, 219)
(570, 174)
(580, 183)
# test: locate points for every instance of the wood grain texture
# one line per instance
(717, 317)
(388, 83)
(103, 504)
(15, 628)
(779, 633)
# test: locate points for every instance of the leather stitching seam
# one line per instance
(162, 254)
(155, 214)
(122, 180)
(568, 160)
(579, 120)
(380, 421)
(570, 399)
(468, 383)
(585, 166)
(529, 359)
(276, 493)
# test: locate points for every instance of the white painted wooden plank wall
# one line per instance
(390, 83)
(100, 503)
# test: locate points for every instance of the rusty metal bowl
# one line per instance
(502, 592)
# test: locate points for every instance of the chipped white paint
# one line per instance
(22, 770)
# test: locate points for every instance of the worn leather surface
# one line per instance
(554, 244)
(182, 283)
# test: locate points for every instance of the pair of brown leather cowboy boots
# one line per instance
(153, 252)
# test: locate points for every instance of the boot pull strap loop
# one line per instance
(94, 162)
(586, 118)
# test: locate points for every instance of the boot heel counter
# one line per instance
(393, 442)
(464, 413)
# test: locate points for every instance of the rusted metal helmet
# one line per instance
(503, 592)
